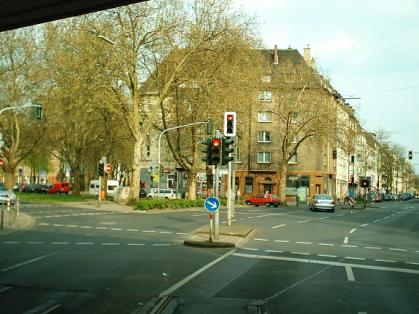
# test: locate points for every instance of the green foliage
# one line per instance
(155, 203)
(40, 198)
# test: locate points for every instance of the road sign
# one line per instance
(212, 204)
(1, 161)
(108, 168)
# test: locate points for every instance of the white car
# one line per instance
(163, 193)
(6, 197)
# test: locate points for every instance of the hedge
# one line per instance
(156, 203)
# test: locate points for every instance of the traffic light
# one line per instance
(229, 123)
(101, 169)
(38, 112)
(410, 154)
(227, 148)
(206, 150)
(214, 157)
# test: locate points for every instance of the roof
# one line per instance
(20, 13)
(284, 55)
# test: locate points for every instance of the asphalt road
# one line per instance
(89, 260)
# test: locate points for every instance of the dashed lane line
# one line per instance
(259, 239)
(352, 231)
(327, 255)
(372, 248)
(364, 225)
(279, 226)
(303, 221)
(349, 273)
(346, 240)
(306, 243)
(355, 258)
(326, 244)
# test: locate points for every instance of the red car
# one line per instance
(59, 187)
(263, 199)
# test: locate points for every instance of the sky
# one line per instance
(368, 49)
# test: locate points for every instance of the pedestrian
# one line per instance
(238, 196)
(266, 194)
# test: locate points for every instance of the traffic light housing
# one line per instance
(214, 157)
(229, 123)
(206, 150)
(227, 148)
(38, 112)
(101, 169)
(410, 155)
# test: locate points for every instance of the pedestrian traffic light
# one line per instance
(227, 148)
(206, 150)
(410, 154)
(38, 112)
(101, 169)
(229, 123)
(214, 157)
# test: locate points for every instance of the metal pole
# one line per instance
(99, 191)
(229, 195)
(217, 213)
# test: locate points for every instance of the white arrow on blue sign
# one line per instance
(212, 204)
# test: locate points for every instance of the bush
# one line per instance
(155, 203)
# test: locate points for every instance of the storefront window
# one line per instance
(249, 185)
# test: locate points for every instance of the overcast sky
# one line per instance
(369, 49)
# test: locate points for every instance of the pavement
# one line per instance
(11, 224)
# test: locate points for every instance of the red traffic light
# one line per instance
(230, 117)
(215, 142)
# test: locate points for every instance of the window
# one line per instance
(266, 78)
(293, 159)
(238, 158)
(265, 95)
(294, 139)
(148, 151)
(249, 185)
(264, 136)
(264, 116)
(264, 157)
(294, 117)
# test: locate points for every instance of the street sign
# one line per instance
(212, 204)
(108, 168)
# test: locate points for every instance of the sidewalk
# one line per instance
(23, 221)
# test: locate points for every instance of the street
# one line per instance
(81, 259)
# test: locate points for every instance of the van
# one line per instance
(94, 187)
(59, 187)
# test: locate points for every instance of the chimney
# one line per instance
(275, 54)
(307, 55)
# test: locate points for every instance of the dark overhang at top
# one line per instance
(20, 13)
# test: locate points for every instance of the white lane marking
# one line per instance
(364, 225)
(352, 231)
(182, 233)
(355, 258)
(302, 221)
(166, 232)
(10, 242)
(412, 263)
(60, 243)
(250, 249)
(384, 260)
(378, 220)
(111, 243)
(86, 227)
(300, 253)
(27, 262)
(386, 217)
(274, 251)
(259, 239)
(117, 229)
(250, 217)
(349, 273)
(195, 274)
(136, 244)
(331, 263)
(84, 243)
(149, 231)
(362, 313)
(325, 217)
(43, 224)
(348, 245)
(373, 248)
(282, 241)
(35, 242)
(101, 228)
(72, 226)
(162, 244)
(395, 249)
(326, 244)
(282, 225)
(341, 215)
(133, 230)
(300, 242)
(327, 255)
(346, 240)
(197, 215)
(58, 225)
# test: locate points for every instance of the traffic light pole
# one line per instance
(217, 213)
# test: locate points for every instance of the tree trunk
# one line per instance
(282, 181)
(136, 173)
(9, 173)
(77, 177)
(191, 185)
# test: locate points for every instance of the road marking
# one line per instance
(395, 249)
(300, 253)
(35, 242)
(136, 244)
(346, 240)
(72, 226)
(352, 231)
(117, 229)
(27, 262)
(43, 224)
(282, 225)
(378, 220)
(60, 243)
(162, 244)
(86, 227)
(373, 248)
(250, 249)
(349, 273)
(111, 243)
(182, 233)
(132, 230)
(166, 232)
(4, 288)
(364, 225)
(101, 228)
(282, 241)
(303, 242)
(384, 260)
(341, 215)
(355, 258)
(274, 251)
(331, 263)
(327, 255)
(149, 231)
(258, 239)
(302, 221)
(84, 243)
(326, 244)
(58, 225)
(348, 245)
(325, 217)
(10, 242)
(195, 274)
(412, 263)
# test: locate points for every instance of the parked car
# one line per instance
(6, 197)
(374, 197)
(263, 199)
(322, 202)
(163, 193)
(59, 187)
(143, 193)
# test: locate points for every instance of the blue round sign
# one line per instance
(212, 204)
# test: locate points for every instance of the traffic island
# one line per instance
(229, 237)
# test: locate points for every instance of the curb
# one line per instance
(208, 244)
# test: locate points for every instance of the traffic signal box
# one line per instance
(227, 148)
(38, 112)
(410, 154)
(229, 123)
(214, 157)
(206, 150)
(101, 169)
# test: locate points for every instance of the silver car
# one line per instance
(6, 197)
(163, 193)
(322, 202)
